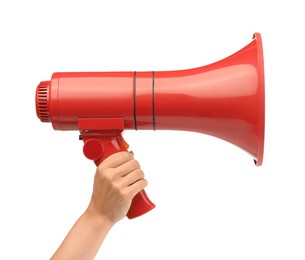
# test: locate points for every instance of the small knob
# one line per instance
(93, 149)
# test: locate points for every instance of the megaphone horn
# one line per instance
(224, 99)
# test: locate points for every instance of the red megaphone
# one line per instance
(224, 99)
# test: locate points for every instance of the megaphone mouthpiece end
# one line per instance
(42, 100)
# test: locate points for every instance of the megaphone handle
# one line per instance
(98, 148)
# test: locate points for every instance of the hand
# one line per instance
(117, 180)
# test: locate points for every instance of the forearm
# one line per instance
(85, 238)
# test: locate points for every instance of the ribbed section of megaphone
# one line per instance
(224, 99)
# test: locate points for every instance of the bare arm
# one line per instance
(117, 180)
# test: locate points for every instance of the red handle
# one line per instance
(98, 148)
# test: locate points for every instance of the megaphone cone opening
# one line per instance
(261, 90)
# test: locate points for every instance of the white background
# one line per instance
(212, 202)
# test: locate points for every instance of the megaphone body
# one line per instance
(224, 99)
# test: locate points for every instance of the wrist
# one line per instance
(99, 220)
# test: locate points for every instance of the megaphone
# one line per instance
(225, 99)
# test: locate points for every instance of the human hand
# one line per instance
(117, 180)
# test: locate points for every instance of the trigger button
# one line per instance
(126, 145)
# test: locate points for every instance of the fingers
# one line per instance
(121, 165)
(128, 167)
(133, 183)
(135, 188)
(116, 159)
(132, 177)
(123, 172)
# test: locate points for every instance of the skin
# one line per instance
(117, 180)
